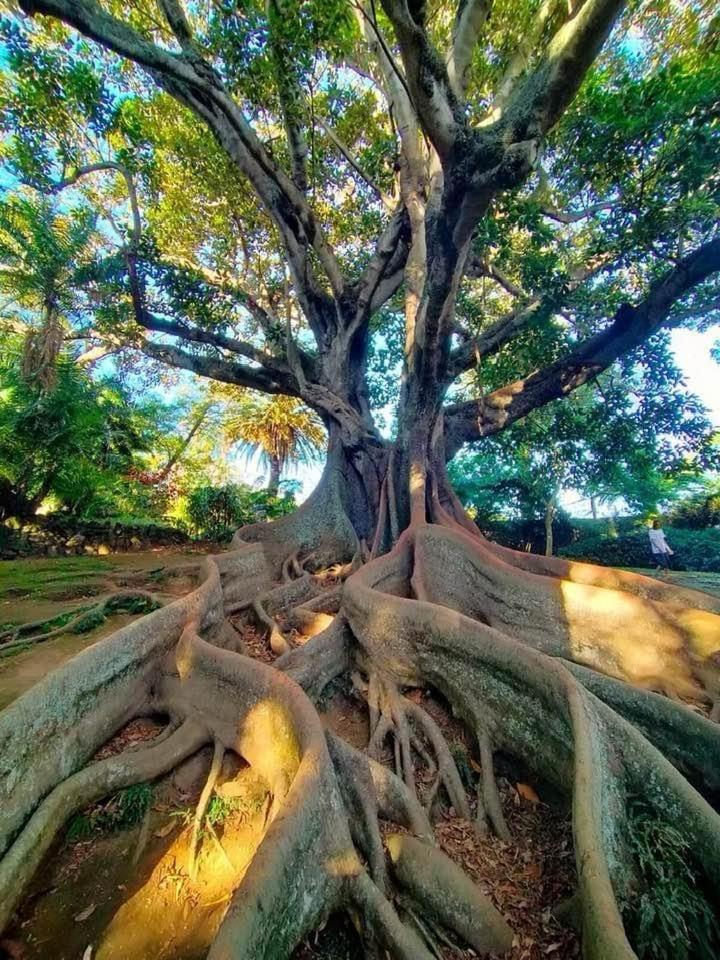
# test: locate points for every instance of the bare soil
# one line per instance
(37, 589)
(129, 893)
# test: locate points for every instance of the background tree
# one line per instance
(600, 444)
(76, 440)
(280, 429)
(42, 256)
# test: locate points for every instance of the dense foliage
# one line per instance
(217, 512)
(74, 442)
(693, 549)
(625, 185)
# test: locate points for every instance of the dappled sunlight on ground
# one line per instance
(129, 894)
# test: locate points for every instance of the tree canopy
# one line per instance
(278, 252)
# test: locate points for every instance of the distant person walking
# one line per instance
(660, 547)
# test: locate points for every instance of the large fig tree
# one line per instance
(532, 189)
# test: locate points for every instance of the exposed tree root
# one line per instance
(410, 726)
(652, 644)
(116, 602)
(537, 710)
(487, 788)
(322, 849)
(78, 791)
(218, 754)
(426, 874)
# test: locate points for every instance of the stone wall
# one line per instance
(65, 536)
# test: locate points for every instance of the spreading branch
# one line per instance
(631, 326)
(195, 84)
(178, 23)
(290, 93)
(540, 100)
(215, 368)
(575, 216)
(427, 78)
(470, 19)
(498, 334)
(104, 166)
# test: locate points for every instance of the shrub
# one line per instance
(700, 510)
(217, 512)
(694, 549)
(669, 918)
(527, 534)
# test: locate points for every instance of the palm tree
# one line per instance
(280, 428)
(42, 252)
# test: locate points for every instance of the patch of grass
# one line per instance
(81, 827)
(124, 809)
(670, 918)
(20, 648)
(221, 809)
(132, 804)
(131, 605)
(61, 619)
(94, 618)
(98, 615)
(32, 578)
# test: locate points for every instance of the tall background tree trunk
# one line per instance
(274, 478)
(549, 516)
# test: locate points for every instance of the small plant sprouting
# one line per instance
(670, 918)
(124, 809)
(462, 762)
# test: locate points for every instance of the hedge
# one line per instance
(694, 549)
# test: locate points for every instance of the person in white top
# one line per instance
(660, 547)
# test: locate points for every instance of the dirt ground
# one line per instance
(35, 589)
(127, 890)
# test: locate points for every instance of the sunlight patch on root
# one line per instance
(321, 660)
(276, 638)
(594, 575)
(660, 646)
(78, 791)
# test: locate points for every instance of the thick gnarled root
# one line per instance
(100, 779)
(413, 732)
(529, 705)
(213, 695)
(657, 645)
(445, 894)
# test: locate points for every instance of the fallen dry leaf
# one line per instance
(85, 914)
(164, 831)
(527, 793)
